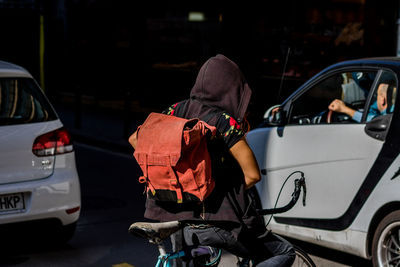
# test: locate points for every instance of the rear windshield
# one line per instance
(22, 101)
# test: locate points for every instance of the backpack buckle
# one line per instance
(142, 179)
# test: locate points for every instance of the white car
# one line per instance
(38, 177)
(351, 163)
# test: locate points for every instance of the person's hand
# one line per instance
(337, 106)
(274, 111)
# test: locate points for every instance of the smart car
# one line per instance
(38, 176)
(351, 164)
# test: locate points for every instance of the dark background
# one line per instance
(108, 63)
(129, 57)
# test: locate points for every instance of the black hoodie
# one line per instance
(219, 85)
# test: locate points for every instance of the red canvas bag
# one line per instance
(172, 153)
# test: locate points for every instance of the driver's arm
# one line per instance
(339, 106)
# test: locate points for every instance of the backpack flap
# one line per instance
(159, 144)
(172, 153)
(160, 138)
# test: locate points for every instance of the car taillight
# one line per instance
(53, 143)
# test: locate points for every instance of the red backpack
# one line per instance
(172, 153)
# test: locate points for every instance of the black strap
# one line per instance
(235, 206)
(181, 110)
(212, 114)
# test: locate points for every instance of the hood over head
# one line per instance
(221, 84)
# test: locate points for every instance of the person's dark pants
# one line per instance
(266, 250)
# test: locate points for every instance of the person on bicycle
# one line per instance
(227, 218)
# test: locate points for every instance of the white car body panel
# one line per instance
(338, 167)
(49, 184)
(386, 191)
(348, 241)
(48, 198)
(351, 240)
(17, 162)
(338, 159)
(12, 70)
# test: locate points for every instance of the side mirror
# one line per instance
(274, 116)
(378, 127)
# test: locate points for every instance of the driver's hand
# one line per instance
(337, 106)
(275, 110)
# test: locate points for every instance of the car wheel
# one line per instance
(61, 234)
(67, 232)
(386, 241)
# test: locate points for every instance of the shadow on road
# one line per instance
(19, 240)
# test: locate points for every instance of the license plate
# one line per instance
(12, 203)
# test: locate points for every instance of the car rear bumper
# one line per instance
(54, 197)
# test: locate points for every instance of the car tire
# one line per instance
(58, 235)
(66, 233)
(386, 241)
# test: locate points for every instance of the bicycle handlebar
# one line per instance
(298, 184)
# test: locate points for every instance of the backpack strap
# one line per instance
(143, 179)
(181, 110)
(214, 111)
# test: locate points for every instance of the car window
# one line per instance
(384, 96)
(350, 87)
(21, 101)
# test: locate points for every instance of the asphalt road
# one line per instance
(111, 200)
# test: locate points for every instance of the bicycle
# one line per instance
(157, 233)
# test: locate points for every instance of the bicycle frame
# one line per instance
(165, 259)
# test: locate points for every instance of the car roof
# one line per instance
(378, 59)
(8, 69)
(371, 61)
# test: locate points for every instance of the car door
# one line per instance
(335, 157)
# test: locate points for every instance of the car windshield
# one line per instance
(21, 101)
